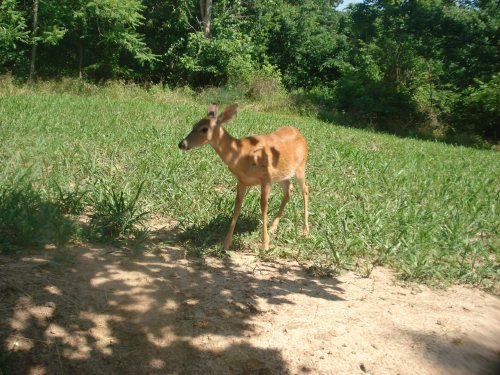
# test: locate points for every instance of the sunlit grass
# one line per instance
(426, 209)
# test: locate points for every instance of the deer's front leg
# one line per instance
(264, 196)
(287, 189)
(240, 194)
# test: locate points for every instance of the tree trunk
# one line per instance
(206, 15)
(33, 47)
(80, 59)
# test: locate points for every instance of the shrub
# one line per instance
(265, 83)
(477, 110)
(217, 60)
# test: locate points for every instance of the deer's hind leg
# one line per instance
(264, 197)
(301, 179)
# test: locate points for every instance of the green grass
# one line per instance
(27, 218)
(428, 210)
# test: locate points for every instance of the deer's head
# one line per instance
(203, 130)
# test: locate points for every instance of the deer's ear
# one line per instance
(228, 114)
(212, 110)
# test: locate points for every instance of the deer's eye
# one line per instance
(204, 130)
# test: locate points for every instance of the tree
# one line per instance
(206, 16)
(411, 62)
(46, 29)
(13, 34)
(112, 27)
(304, 39)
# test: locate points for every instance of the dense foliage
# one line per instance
(428, 66)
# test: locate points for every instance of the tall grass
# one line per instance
(29, 218)
(428, 210)
(117, 216)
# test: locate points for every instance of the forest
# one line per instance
(425, 67)
(110, 236)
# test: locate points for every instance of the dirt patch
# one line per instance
(99, 312)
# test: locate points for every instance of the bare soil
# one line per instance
(91, 310)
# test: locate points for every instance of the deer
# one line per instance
(255, 160)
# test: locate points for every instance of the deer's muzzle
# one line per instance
(183, 145)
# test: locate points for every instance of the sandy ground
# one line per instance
(94, 311)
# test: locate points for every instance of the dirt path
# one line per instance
(96, 312)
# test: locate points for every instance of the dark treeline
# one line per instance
(431, 66)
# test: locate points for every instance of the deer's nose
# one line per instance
(183, 145)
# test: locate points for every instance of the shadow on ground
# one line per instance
(200, 236)
(457, 354)
(96, 311)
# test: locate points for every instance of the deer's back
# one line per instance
(275, 156)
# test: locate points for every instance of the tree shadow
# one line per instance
(212, 233)
(29, 219)
(100, 312)
(458, 354)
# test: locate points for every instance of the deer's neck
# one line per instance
(226, 146)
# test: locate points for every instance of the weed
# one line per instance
(117, 215)
(70, 201)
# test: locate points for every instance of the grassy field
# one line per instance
(428, 210)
